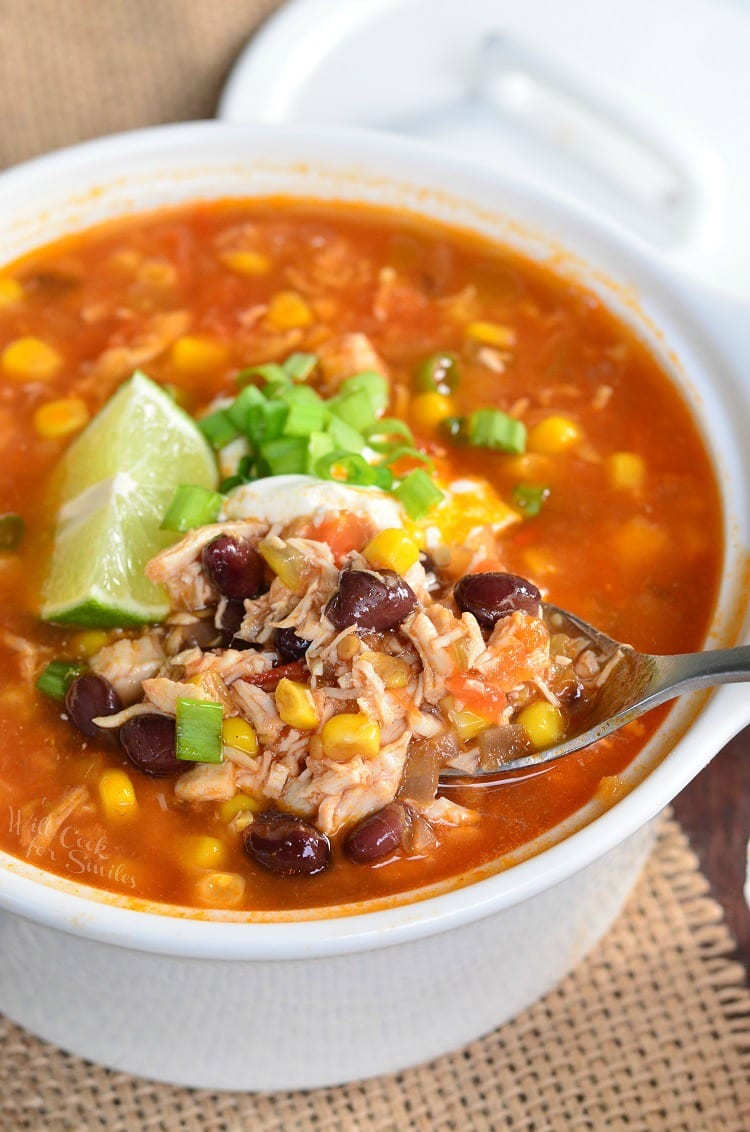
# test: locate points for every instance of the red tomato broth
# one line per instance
(92, 293)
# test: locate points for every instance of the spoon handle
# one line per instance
(689, 671)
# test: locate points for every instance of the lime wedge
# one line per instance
(115, 483)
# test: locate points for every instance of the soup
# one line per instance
(406, 438)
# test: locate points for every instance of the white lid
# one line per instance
(636, 109)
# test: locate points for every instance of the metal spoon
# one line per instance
(637, 683)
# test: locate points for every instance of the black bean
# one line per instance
(491, 597)
(229, 622)
(377, 835)
(428, 563)
(286, 844)
(200, 635)
(370, 601)
(149, 742)
(87, 697)
(234, 567)
(289, 646)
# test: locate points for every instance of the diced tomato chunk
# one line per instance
(475, 694)
(297, 670)
(343, 533)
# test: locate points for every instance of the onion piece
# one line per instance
(498, 745)
(424, 760)
(113, 721)
(419, 836)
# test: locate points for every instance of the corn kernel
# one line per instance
(391, 549)
(220, 890)
(347, 735)
(543, 723)
(247, 263)
(194, 355)
(626, 471)
(288, 311)
(539, 562)
(491, 334)
(125, 261)
(638, 540)
(348, 647)
(60, 418)
(554, 435)
(157, 273)
(429, 409)
(394, 671)
(468, 724)
(610, 789)
(117, 794)
(238, 733)
(203, 852)
(89, 642)
(295, 705)
(30, 359)
(531, 467)
(239, 804)
(11, 292)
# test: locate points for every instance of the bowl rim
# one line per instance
(38, 898)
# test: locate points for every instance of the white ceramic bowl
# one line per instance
(304, 1003)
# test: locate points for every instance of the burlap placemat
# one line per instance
(651, 1033)
(74, 69)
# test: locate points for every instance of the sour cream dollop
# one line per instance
(280, 499)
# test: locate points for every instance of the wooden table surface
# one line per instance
(714, 811)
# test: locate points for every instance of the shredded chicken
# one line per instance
(37, 837)
(351, 353)
(207, 782)
(121, 359)
(127, 663)
(397, 678)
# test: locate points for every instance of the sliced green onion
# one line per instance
(319, 444)
(406, 451)
(380, 435)
(58, 676)
(344, 436)
(356, 409)
(529, 498)
(219, 429)
(418, 494)
(277, 390)
(266, 422)
(306, 413)
(351, 468)
(199, 731)
(490, 428)
(192, 506)
(453, 428)
(371, 383)
(249, 401)
(248, 467)
(231, 482)
(299, 367)
(439, 373)
(271, 372)
(286, 456)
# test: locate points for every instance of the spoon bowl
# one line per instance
(633, 683)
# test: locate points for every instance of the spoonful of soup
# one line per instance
(624, 683)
